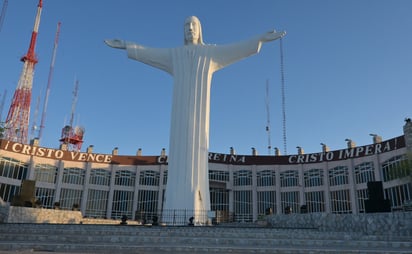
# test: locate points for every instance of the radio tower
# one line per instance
(17, 121)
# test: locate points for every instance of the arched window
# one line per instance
(289, 178)
(149, 177)
(338, 176)
(125, 178)
(266, 178)
(313, 177)
(242, 178)
(364, 172)
(100, 176)
(45, 173)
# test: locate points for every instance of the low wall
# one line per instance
(397, 223)
(108, 221)
(18, 214)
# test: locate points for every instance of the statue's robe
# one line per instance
(192, 68)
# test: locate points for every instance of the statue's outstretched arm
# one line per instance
(272, 35)
(156, 57)
(118, 44)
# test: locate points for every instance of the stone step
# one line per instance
(199, 232)
(119, 229)
(152, 248)
(128, 239)
(193, 240)
(207, 240)
(138, 232)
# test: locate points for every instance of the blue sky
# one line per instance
(347, 67)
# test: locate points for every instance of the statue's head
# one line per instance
(193, 31)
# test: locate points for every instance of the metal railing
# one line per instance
(184, 217)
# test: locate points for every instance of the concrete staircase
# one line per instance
(82, 238)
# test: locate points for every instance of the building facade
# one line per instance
(242, 187)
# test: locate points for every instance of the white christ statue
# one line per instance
(192, 67)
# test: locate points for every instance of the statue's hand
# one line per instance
(119, 44)
(272, 35)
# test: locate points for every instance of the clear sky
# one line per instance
(347, 69)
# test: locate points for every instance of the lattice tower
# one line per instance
(17, 121)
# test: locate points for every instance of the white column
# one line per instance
(111, 190)
(162, 170)
(326, 188)
(278, 191)
(254, 194)
(302, 187)
(352, 188)
(59, 179)
(230, 188)
(136, 191)
(85, 188)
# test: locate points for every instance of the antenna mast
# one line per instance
(3, 13)
(2, 104)
(268, 117)
(76, 88)
(282, 75)
(43, 116)
(73, 137)
(36, 113)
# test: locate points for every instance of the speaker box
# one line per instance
(375, 190)
(28, 189)
(377, 206)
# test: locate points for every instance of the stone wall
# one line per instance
(108, 221)
(397, 224)
(18, 214)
